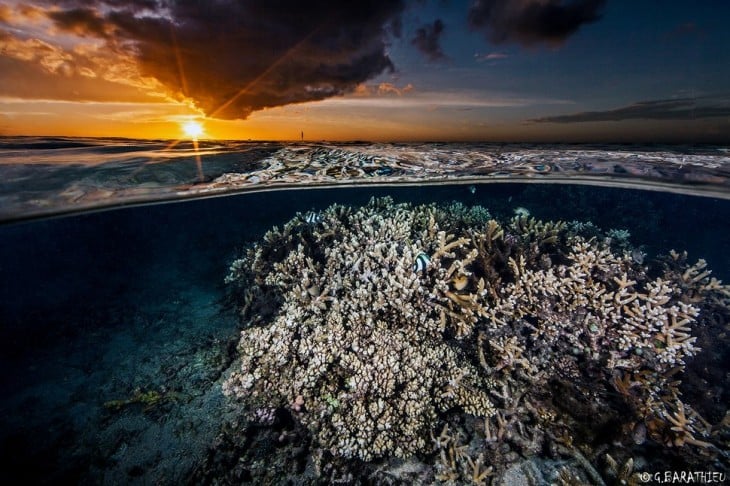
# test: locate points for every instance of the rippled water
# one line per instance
(41, 176)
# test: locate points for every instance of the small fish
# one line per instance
(313, 217)
(472, 189)
(422, 261)
(638, 256)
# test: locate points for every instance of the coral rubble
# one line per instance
(377, 326)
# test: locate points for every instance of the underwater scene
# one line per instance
(532, 315)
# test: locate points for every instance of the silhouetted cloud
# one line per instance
(532, 21)
(427, 40)
(675, 109)
(236, 57)
(396, 27)
(81, 21)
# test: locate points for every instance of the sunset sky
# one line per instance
(492, 70)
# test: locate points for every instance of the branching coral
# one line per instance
(357, 337)
(369, 351)
(597, 313)
(455, 463)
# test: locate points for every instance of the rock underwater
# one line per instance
(374, 325)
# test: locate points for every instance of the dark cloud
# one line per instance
(676, 109)
(532, 21)
(236, 57)
(396, 27)
(81, 21)
(427, 40)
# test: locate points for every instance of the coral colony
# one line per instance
(376, 327)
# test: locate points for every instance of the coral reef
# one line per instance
(373, 347)
(357, 349)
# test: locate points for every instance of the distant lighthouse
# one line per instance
(302, 135)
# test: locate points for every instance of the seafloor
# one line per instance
(120, 337)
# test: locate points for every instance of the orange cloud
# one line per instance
(268, 57)
(6, 13)
(382, 89)
(20, 14)
(59, 82)
(37, 69)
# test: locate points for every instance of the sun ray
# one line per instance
(266, 71)
(178, 59)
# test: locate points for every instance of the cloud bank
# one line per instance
(531, 22)
(674, 109)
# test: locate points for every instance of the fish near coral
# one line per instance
(313, 217)
(421, 263)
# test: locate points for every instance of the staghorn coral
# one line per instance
(456, 464)
(370, 355)
(597, 318)
(357, 341)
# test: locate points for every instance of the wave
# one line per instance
(50, 176)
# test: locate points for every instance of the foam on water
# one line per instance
(50, 176)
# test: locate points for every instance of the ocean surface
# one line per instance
(359, 313)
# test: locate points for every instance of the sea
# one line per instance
(163, 305)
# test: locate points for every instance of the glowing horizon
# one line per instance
(116, 69)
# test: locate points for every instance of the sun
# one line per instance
(192, 129)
